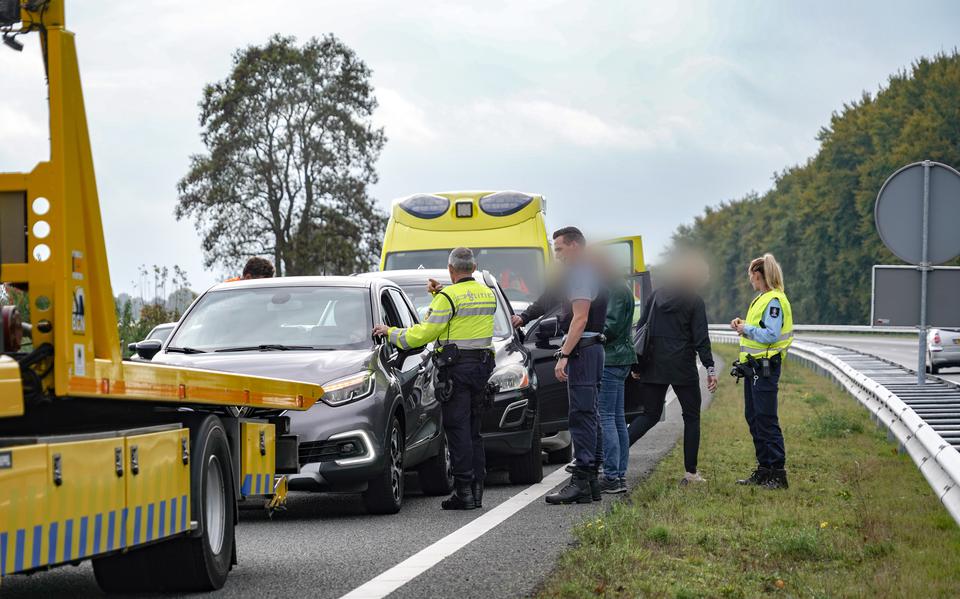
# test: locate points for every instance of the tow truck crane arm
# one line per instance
(60, 259)
(121, 452)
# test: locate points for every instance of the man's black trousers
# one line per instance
(462, 415)
(654, 396)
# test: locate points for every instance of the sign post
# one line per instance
(921, 237)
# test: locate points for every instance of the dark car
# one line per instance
(378, 416)
(543, 338)
(512, 429)
(152, 342)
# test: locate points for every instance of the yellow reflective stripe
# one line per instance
(757, 351)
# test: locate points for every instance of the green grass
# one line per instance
(858, 520)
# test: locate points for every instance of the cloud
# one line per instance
(542, 123)
(404, 120)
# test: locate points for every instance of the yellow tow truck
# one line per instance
(137, 466)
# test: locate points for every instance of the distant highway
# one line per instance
(899, 349)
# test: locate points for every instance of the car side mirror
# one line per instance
(401, 356)
(148, 348)
(548, 329)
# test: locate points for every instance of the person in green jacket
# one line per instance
(619, 356)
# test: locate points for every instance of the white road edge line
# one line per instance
(426, 558)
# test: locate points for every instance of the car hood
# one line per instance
(317, 367)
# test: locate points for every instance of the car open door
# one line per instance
(626, 253)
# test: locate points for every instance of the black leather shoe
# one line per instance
(575, 491)
(596, 491)
(477, 488)
(776, 480)
(758, 477)
(462, 498)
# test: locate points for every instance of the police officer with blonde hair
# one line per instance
(765, 336)
(460, 321)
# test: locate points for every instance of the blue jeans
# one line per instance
(616, 443)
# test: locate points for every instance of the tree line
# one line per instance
(818, 219)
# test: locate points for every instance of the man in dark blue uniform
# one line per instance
(580, 358)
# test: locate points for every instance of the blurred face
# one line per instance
(565, 252)
(756, 280)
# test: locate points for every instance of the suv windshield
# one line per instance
(421, 299)
(301, 317)
(518, 270)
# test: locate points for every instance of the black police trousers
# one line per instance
(462, 414)
(584, 370)
(760, 411)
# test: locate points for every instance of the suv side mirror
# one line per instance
(148, 348)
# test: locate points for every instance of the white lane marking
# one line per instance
(426, 558)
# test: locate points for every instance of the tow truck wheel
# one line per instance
(193, 563)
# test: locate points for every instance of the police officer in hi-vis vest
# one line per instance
(764, 338)
(460, 320)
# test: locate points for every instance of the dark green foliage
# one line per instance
(290, 153)
(818, 220)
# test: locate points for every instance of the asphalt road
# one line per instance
(899, 349)
(327, 546)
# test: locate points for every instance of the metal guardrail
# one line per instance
(918, 417)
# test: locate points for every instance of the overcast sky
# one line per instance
(629, 116)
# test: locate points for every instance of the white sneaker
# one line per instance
(689, 478)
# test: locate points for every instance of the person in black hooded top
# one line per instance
(679, 334)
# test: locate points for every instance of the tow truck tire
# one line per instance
(384, 494)
(436, 474)
(527, 469)
(193, 563)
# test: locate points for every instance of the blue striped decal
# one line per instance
(68, 541)
(162, 513)
(173, 515)
(247, 483)
(3, 554)
(82, 550)
(150, 522)
(183, 512)
(260, 484)
(137, 514)
(111, 529)
(18, 553)
(97, 529)
(52, 543)
(123, 528)
(37, 533)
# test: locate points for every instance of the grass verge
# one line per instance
(858, 520)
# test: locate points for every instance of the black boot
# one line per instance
(462, 498)
(759, 476)
(777, 479)
(477, 487)
(575, 491)
(595, 490)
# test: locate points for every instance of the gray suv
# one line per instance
(378, 416)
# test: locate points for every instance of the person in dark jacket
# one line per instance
(619, 356)
(678, 335)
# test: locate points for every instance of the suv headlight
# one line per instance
(349, 388)
(510, 377)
